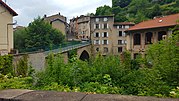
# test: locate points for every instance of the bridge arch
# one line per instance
(84, 55)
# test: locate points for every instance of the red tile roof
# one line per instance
(124, 23)
(8, 8)
(165, 21)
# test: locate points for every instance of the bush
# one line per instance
(6, 64)
(7, 82)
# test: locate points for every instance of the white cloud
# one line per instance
(30, 9)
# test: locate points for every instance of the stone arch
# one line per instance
(84, 55)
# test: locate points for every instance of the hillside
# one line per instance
(139, 10)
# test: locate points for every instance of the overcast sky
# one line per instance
(30, 9)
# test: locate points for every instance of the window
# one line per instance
(97, 19)
(96, 34)
(119, 49)
(123, 34)
(105, 42)
(161, 35)
(123, 26)
(105, 49)
(97, 26)
(148, 38)
(126, 26)
(137, 39)
(96, 42)
(105, 19)
(83, 32)
(121, 42)
(105, 34)
(97, 49)
(120, 26)
(105, 26)
(120, 33)
(125, 42)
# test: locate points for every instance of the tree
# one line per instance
(121, 3)
(20, 36)
(138, 6)
(120, 18)
(164, 57)
(140, 17)
(155, 11)
(40, 34)
(104, 10)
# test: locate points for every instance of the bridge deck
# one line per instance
(68, 48)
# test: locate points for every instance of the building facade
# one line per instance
(80, 27)
(6, 28)
(140, 36)
(58, 22)
(107, 36)
(119, 36)
(102, 34)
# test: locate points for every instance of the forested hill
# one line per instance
(139, 10)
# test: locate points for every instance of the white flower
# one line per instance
(172, 92)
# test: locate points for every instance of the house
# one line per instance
(58, 22)
(148, 32)
(101, 34)
(119, 36)
(6, 28)
(107, 36)
(80, 27)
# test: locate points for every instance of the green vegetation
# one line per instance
(154, 75)
(139, 10)
(39, 34)
(6, 64)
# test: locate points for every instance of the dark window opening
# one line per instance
(97, 26)
(97, 34)
(105, 42)
(119, 42)
(105, 34)
(120, 33)
(97, 49)
(119, 49)
(105, 26)
(161, 35)
(137, 39)
(148, 38)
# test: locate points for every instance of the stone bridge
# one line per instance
(38, 59)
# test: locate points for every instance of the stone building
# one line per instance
(58, 22)
(102, 34)
(119, 36)
(149, 32)
(107, 36)
(80, 27)
(6, 28)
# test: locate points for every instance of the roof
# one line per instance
(124, 23)
(165, 21)
(8, 8)
(102, 16)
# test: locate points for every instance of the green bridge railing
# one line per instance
(57, 48)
